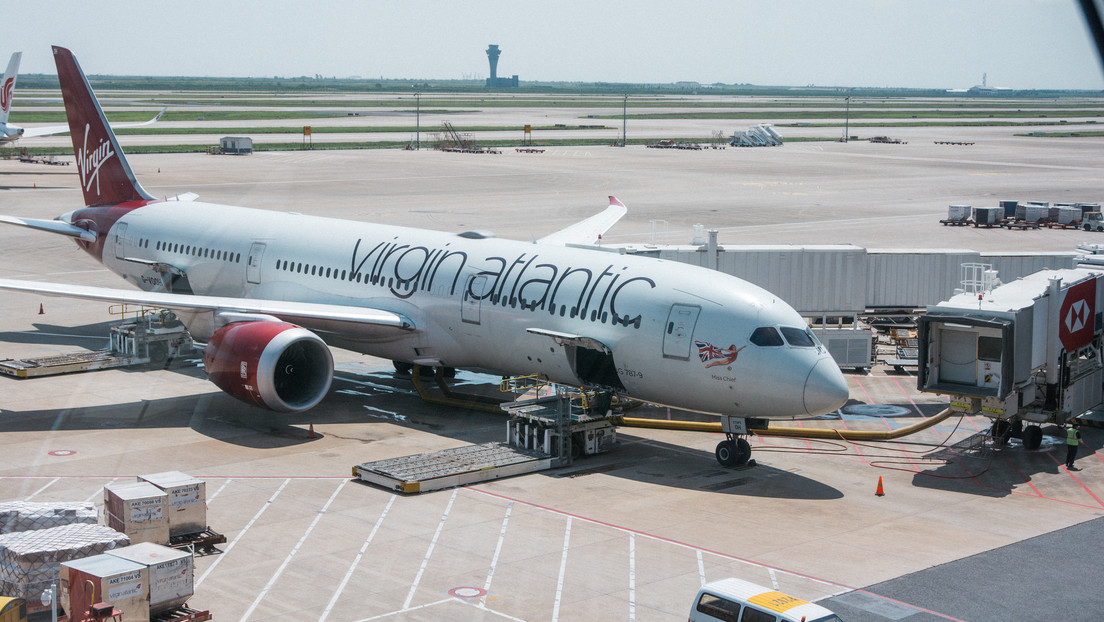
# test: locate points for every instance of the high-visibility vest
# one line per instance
(1071, 436)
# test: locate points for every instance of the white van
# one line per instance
(733, 600)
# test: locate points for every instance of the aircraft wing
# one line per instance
(290, 311)
(49, 130)
(590, 230)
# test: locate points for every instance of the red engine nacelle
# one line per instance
(274, 365)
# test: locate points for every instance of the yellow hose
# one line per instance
(847, 435)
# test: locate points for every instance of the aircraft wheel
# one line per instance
(1017, 428)
(158, 355)
(726, 453)
(743, 452)
(1032, 437)
(403, 368)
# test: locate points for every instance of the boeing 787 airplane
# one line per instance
(270, 292)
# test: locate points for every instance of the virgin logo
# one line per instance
(6, 94)
(88, 164)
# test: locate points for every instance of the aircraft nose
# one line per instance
(825, 388)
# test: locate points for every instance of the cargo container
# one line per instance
(171, 575)
(1009, 208)
(187, 508)
(957, 215)
(988, 216)
(29, 559)
(105, 579)
(16, 516)
(139, 509)
(1068, 217)
(1032, 212)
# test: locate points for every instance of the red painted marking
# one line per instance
(1076, 479)
(6, 94)
(63, 452)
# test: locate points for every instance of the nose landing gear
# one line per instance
(735, 450)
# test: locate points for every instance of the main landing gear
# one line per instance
(735, 450)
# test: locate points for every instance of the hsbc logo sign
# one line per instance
(1077, 315)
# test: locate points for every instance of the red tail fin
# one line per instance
(105, 176)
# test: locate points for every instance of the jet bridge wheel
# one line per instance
(733, 452)
(1032, 437)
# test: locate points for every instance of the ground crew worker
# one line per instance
(1073, 438)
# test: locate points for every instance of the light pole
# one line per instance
(847, 119)
(418, 119)
(624, 118)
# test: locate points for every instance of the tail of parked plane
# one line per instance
(106, 178)
(7, 87)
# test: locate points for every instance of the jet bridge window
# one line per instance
(797, 337)
(766, 336)
(989, 348)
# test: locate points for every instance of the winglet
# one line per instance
(590, 230)
(7, 87)
(106, 178)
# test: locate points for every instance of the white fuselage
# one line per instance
(675, 334)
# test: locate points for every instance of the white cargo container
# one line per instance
(1069, 216)
(958, 213)
(1032, 212)
(138, 509)
(105, 579)
(988, 215)
(187, 506)
(171, 576)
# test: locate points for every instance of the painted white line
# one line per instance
(356, 560)
(563, 567)
(632, 577)
(221, 488)
(405, 610)
(774, 578)
(100, 492)
(294, 550)
(242, 533)
(429, 551)
(498, 550)
(35, 493)
(701, 567)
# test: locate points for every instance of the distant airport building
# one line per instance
(494, 81)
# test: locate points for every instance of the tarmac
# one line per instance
(964, 531)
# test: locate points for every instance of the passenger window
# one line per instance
(766, 336)
(754, 615)
(797, 337)
(720, 608)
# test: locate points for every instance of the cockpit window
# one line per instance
(799, 337)
(766, 336)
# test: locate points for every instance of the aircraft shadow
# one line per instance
(53, 334)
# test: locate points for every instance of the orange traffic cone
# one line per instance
(41, 311)
(310, 430)
(880, 491)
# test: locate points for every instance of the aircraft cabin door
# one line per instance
(473, 298)
(680, 331)
(253, 264)
(120, 236)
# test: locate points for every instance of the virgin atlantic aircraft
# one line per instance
(270, 292)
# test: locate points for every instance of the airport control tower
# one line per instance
(494, 81)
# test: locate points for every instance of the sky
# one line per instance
(1021, 44)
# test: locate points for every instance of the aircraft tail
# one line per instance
(7, 87)
(106, 178)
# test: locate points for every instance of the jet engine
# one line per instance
(273, 365)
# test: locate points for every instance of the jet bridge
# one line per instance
(1024, 353)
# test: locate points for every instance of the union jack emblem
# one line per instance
(713, 356)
